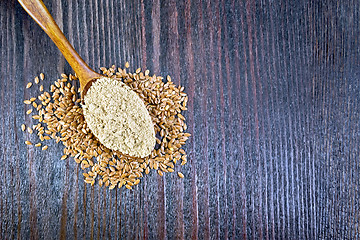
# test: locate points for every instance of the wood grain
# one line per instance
(273, 112)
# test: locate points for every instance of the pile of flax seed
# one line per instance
(58, 116)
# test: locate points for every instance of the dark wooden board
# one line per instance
(274, 113)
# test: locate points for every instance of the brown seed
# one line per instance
(41, 88)
(29, 111)
(28, 143)
(60, 117)
(180, 175)
(42, 76)
(29, 85)
(23, 127)
(121, 183)
(44, 148)
(36, 80)
(38, 145)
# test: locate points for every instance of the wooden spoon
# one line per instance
(37, 10)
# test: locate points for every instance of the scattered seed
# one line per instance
(60, 117)
(44, 148)
(36, 80)
(41, 88)
(30, 130)
(127, 65)
(180, 175)
(23, 127)
(29, 85)
(28, 143)
(29, 111)
(42, 76)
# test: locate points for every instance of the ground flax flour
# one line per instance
(118, 118)
(58, 114)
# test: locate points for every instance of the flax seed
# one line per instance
(61, 117)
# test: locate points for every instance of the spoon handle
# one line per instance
(37, 10)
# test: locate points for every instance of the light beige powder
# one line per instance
(118, 118)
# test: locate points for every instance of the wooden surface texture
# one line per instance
(274, 113)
